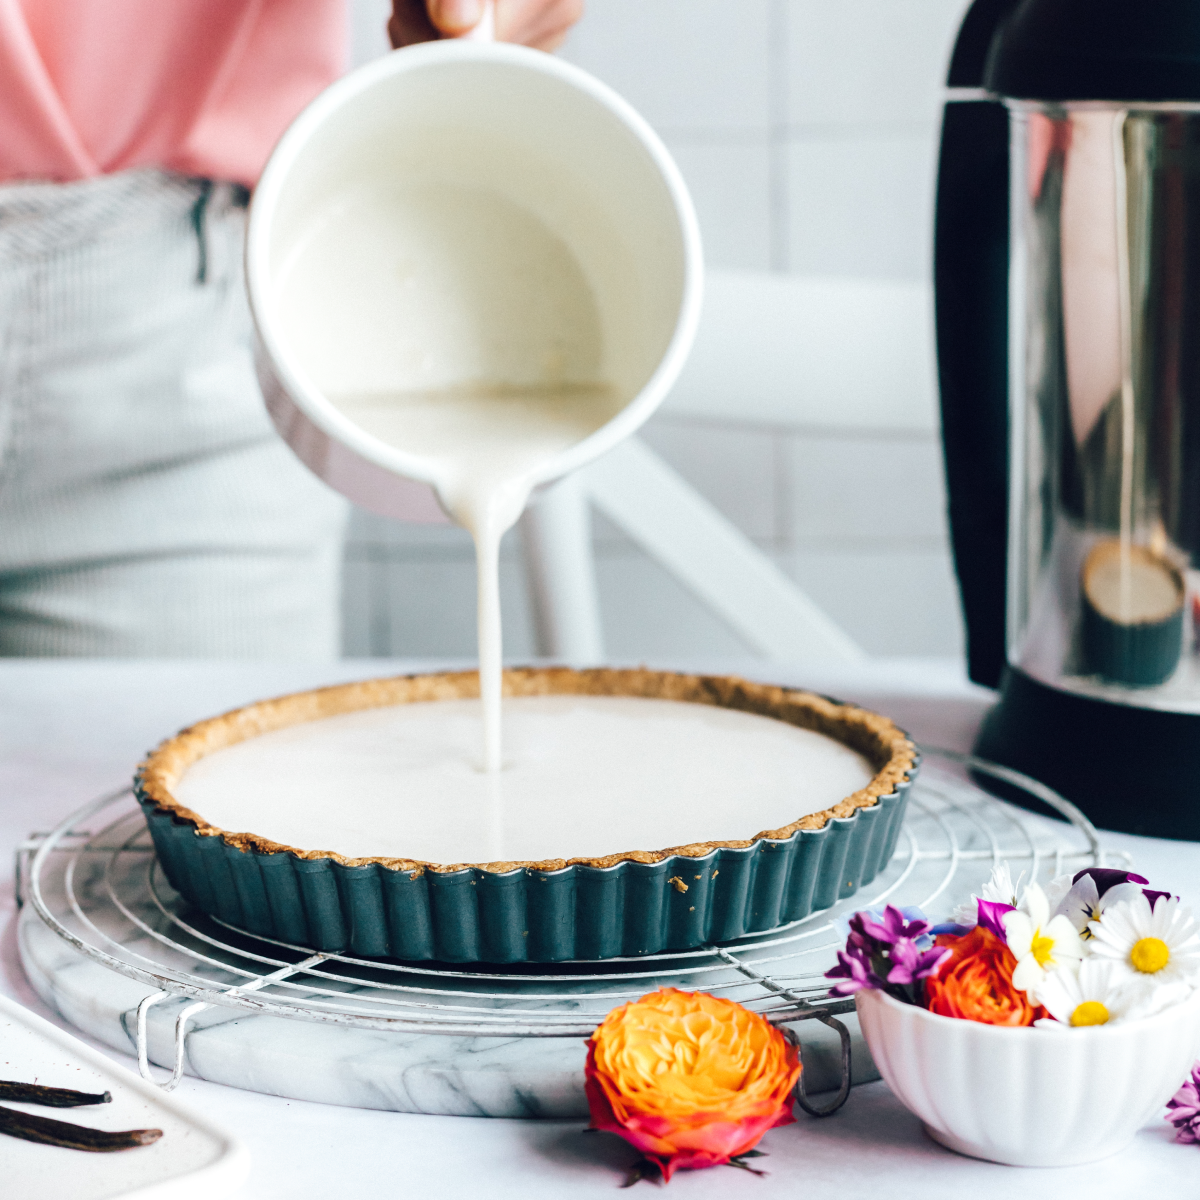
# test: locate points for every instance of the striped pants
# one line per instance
(147, 506)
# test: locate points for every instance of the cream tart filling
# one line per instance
(601, 765)
(584, 776)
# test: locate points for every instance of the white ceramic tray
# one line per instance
(192, 1158)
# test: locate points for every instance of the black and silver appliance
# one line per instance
(1068, 320)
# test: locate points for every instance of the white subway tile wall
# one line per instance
(860, 205)
(732, 187)
(867, 64)
(697, 70)
(807, 133)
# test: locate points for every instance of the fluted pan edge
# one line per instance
(579, 912)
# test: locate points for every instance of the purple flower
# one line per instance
(889, 951)
(1184, 1108)
(991, 916)
(892, 926)
(911, 963)
(853, 973)
(1107, 877)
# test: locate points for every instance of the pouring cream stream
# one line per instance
(485, 446)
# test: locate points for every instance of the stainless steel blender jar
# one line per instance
(1068, 308)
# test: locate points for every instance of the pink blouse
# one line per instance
(202, 87)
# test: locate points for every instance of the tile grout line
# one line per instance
(783, 131)
(852, 433)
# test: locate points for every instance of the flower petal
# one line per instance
(1106, 877)
(1034, 902)
(1028, 975)
(1067, 942)
(1058, 889)
(991, 915)
(1018, 930)
(1080, 904)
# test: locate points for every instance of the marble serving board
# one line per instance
(304, 1059)
(360, 1068)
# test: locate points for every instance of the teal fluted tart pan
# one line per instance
(638, 812)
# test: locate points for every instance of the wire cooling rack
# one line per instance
(95, 881)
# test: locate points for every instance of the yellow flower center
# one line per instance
(1150, 954)
(1090, 1012)
(1042, 948)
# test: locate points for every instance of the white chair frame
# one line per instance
(815, 354)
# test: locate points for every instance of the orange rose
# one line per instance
(975, 982)
(688, 1079)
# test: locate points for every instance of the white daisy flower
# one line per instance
(1156, 950)
(1095, 995)
(998, 888)
(1083, 903)
(1039, 942)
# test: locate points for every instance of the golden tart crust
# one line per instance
(883, 744)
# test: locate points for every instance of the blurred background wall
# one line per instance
(807, 131)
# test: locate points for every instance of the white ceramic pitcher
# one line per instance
(501, 120)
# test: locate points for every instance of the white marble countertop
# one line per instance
(71, 729)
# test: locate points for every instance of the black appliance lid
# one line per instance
(1098, 50)
(974, 39)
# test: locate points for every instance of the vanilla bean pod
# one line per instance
(73, 1137)
(50, 1097)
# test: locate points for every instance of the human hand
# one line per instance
(542, 24)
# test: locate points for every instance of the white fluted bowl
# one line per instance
(1032, 1097)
